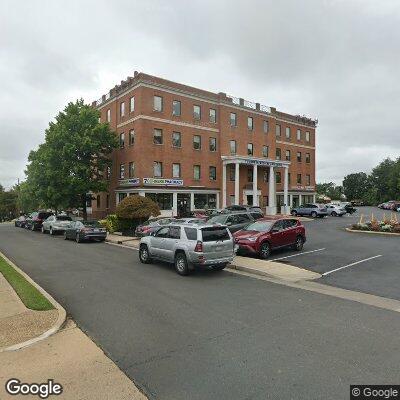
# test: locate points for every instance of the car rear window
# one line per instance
(63, 218)
(44, 215)
(214, 234)
(92, 223)
(191, 233)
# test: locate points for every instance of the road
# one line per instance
(211, 335)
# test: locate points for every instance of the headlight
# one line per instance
(251, 239)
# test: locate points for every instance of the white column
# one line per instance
(223, 186)
(286, 207)
(271, 209)
(237, 201)
(255, 197)
(192, 201)
(116, 198)
(174, 204)
(300, 199)
(217, 201)
(314, 198)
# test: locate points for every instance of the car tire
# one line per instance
(265, 250)
(144, 255)
(294, 213)
(218, 267)
(65, 236)
(334, 214)
(78, 238)
(341, 215)
(314, 214)
(181, 264)
(298, 246)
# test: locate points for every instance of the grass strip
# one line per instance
(29, 295)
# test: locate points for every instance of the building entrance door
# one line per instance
(296, 201)
(279, 203)
(183, 205)
(249, 199)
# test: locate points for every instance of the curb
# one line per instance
(62, 315)
(372, 232)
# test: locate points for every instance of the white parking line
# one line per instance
(298, 254)
(350, 265)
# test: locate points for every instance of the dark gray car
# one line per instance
(235, 221)
(85, 230)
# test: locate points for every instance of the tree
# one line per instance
(330, 189)
(356, 185)
(8, 204)
(384, 178)
(70, 164)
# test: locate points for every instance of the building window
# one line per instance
(265, 151)
(213, 116)
(122, 109)
(307, 136)
(122, 140)
(176, 170)
(289, 177)
(277, 130)
(308, 180)
(131, 137)
(298, 134)
(232, 147)
(157, 103)
(157, 169)
(287, 155)
(108, 115)
(266, 126)
(98, 202)
(122, 171)
(278, 153)
(132, 104)
(157, 136)
(196, 172)
(298, 156)
(233, 120)
(197, 142)
(131, 170)
(288, 134)
(250, 123)
(232, 172)
(299, 178)
(163, 200)
(121, 196)
(108, 201)
(205, 201)
(196, 112)
(108, 172)
(249, 149)
(176, 139)
(213, 173)
(249, 174)
(278, 177)
(308, 158)
(176, 108)
(213, 144)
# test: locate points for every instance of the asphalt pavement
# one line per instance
(212, 335)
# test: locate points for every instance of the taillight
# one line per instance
(199, 247)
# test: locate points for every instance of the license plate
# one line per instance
(218, 248)
(96, 230)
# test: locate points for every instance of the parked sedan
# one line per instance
(310, 209)
(235, 221)
(335, 210)
(85, 230)
(55, 224)
(35, 220)
(184, 221)
(267, 234)
(20, 222)
(152, 225)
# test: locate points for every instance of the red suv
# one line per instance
(267, 234)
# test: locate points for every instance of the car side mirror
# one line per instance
(228, 223)
(274, 230)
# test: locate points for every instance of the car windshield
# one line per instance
(215, 234)
(95, 224)
(63, 218)
(218, 219)
(259, 226)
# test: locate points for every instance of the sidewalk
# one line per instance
(125, 240)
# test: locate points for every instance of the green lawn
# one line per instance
(29, 295)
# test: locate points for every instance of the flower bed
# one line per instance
(387, 225)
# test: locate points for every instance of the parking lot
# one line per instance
(367, 263)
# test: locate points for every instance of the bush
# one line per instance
(111, 223)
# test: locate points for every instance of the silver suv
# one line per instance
(189, 246)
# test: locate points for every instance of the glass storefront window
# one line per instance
(205, 201)
(164, 200)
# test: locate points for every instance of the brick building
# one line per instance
(188, 149)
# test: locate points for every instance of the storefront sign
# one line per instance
(299, 187)
(264, 163)
(163, 182)
(129, 182)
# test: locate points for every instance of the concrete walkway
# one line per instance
(71, 359)
(125, 240)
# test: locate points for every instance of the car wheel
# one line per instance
(43, 230)
(219, 267)
(334, 214)
(78, 238)
(298, 246)
(294, 213)
(181, 264)
(265, 250)
(65, 236)
(314, 214)
(341, 215)
(144, 254)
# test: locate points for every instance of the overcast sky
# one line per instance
(335, 60)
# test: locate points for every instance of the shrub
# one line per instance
(111, 223)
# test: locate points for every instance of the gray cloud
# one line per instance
(336, 60)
